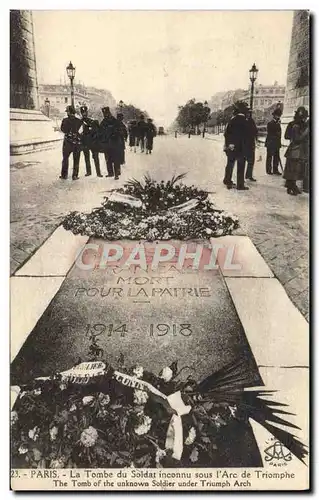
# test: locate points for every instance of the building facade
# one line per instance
(60, 96)
(267, 95)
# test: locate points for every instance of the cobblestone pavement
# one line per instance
(276, 222)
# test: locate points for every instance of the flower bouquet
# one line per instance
(95, 416)
(153, 210)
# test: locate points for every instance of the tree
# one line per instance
(130, 112)
(192, 114)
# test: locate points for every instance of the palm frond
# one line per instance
(134, 183)
(177, 178)
(227, 385)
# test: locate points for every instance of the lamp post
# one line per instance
(207, 112)
(47, 107)
(253, 72)
(70, 70)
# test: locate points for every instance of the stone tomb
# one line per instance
(151, 316)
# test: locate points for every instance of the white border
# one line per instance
(4, 135)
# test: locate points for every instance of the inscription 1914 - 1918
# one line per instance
(159, 329)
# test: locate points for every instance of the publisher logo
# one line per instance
(276, 454)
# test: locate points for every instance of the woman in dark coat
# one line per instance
(297, 154)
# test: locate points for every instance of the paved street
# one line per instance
(276, 223)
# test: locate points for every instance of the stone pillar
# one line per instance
(23, 70)
(30, 130)
(297, 86)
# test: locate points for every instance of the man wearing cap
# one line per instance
(111, 141)
(273, 143)
(70, 126)
(90, 141)
(235, 146)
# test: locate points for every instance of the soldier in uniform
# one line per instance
(124, 135)
(90, 142)
(273, 143)
(70, 126)
(111, 141)
(150, 134)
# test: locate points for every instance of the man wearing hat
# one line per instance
(90, 141)
(235, 146)
(141, 132)
(70, 126)
(124, 135)
(150, 134)
(111, 142)
(273, 143)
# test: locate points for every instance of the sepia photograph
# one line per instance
(160, 183)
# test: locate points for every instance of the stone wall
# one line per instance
(297, 87)
(23, 71)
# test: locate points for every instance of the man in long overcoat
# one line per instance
(273, 143)
(235, 142)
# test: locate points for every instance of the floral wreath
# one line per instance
(95, 416)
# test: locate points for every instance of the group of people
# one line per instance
(108, 137)
(142, 134)
(241, 137)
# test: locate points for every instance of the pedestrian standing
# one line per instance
(123, 134)
(297, 154)
(235, 144)
(150, 134)
(251, 141)
(70, 126)
(111, 143)
(90, 142)
(132, 131)
(273, 143)
(141, 132)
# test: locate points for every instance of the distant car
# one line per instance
(161, 131)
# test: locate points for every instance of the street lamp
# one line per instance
(70, 70)
(207, 112)
(47, 107)
(253, 77)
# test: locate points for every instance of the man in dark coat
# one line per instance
(70, 126)
(273, 143)
(123, 132)
(252, 134)
(141, 132)
(150, 134)
(235, 144)
(111, 140)
(90, 142)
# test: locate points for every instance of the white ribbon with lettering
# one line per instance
(83, 372)
(174, 436)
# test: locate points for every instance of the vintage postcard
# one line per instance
(159, 173)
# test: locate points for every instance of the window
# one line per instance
(261, 102)
(65, 100)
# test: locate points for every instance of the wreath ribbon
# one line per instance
(174, 436)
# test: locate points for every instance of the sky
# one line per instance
(158, 60)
